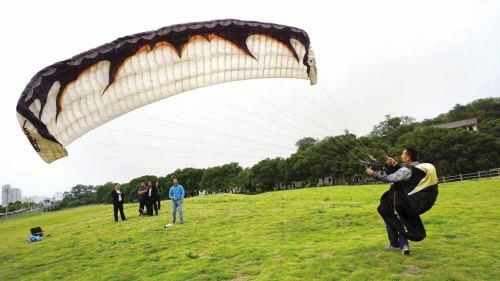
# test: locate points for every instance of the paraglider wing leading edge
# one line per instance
(69, 98)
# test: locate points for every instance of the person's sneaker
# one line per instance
(405, 251)
(389, 247)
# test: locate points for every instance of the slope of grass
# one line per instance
(331, 233)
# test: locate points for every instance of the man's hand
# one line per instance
(390, 161)
(369, 171)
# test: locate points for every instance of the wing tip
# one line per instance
(48, 150)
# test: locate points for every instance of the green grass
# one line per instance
(329, 233)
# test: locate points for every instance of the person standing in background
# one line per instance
(159, 191)
(142, 197)
(117, 195)
(149, 199)
(176, 194)
(154, 198)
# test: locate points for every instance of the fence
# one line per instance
(477, 175)
(19, 212)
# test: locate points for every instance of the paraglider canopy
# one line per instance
(69, 98)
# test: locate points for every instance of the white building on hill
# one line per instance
(468, 124)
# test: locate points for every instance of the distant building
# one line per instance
(5, 194)
(333, 179)
(468, 124)
(47, 202)
(10, 194)
(298, 184)
(326, 181)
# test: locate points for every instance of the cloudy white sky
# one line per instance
(415, 58)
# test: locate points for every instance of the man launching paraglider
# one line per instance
(413, 191)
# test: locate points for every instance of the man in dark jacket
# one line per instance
(149, 198)
(413, 191)
(118, 202)
(143, 189)
(159, 191)
(154, 197)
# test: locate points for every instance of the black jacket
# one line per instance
(155, 192)
(401, 209)
(390, 169)
(114, 194)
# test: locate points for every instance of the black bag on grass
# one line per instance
(37, 231)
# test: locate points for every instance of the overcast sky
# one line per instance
(415, 58)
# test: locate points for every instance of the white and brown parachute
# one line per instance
(67, 99)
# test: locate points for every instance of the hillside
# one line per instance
(331, 233)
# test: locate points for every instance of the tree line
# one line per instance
(16, 206)
(452, 151)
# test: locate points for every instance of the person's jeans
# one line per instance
(396, 239)
(177, 205)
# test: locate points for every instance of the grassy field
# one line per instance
(330, 233)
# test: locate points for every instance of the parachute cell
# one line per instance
(67, 99)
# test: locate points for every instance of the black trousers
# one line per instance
(396, 238)
(156, 206)
(159, 202)
(142, 204)
(149, 206)
(118, 207)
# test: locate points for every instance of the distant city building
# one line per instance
(468, 124)
(5, 194)
(10, 194)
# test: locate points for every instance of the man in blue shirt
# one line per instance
(176, 194)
